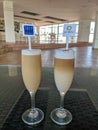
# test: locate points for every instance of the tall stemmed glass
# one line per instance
(31, 73)
(63, 75)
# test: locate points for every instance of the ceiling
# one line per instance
(45, 12)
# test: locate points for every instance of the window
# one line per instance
(53, 34)
(91, 35)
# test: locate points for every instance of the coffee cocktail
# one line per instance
(31, 69)
(31, 73)
(63, 76)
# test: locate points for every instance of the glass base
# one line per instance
(61, 116)
(33, 117)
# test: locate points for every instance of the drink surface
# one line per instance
(31, 70)
(63, 71)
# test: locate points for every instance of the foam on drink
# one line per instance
(64, 54)
(31, 52)
(63, 69)
(31, 68)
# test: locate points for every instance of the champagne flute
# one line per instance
(31, 73)
(63, 75)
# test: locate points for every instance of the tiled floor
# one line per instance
(84, 57)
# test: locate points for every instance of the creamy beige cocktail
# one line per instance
(63, 76)
(63, 70)
(31, 69)
(31, 73)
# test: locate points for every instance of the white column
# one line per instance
(9, 21)
(84, 30)
(38, 34)
(95, 42)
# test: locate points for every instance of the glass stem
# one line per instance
(62, 100)
(33, 112)
(32, 95)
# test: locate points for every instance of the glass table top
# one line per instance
(81, 99)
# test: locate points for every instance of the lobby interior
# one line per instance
(48, 14)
